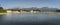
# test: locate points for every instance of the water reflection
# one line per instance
(30, 19)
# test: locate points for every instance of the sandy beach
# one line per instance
(2, 13)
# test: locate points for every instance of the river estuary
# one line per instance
(30, 19)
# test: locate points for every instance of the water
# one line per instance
(30, 19)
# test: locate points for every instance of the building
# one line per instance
(23, 10)
(12, 11)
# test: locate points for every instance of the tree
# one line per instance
(57, 10)
(1, 8)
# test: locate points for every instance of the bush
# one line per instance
(57, 10)
(2, 10)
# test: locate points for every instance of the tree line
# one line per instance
(57, 10)
(2, 10)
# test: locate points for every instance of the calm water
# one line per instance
(30, 19)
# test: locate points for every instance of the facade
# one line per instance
(12, 11)
(9, 11)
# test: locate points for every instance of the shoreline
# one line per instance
(33, 13)
(3, 13)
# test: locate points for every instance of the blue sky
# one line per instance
(30, 3)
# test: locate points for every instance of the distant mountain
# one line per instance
(48, 9)
(42, 9)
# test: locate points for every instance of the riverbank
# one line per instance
(32, 13)
(3, 13)
(52, 12)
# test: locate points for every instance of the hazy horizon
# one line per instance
(30, 3)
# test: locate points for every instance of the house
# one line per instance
(31, 10)
(35, 10)
(12, 11)
(9, 11)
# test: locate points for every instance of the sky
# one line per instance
(30, 3)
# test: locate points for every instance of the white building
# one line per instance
(12, 11)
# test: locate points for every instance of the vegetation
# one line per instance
(2, 10)
(57, 10)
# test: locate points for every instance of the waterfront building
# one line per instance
(12, 11)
